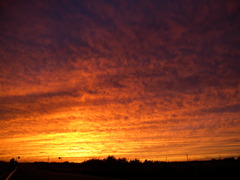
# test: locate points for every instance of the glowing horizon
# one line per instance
(146, 80)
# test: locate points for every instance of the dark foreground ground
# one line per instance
(112, 168)
(30, 172)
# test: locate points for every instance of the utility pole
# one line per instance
(187, 157)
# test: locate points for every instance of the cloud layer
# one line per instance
(140, 79)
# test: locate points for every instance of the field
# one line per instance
(134, 169)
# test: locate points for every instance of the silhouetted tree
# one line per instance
(229, 159)
(111, 160)
(122, 161)
(135, 162)
(12, 163)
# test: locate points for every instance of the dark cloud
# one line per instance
(226, 109)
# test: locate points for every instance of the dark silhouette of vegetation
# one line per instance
(135, 169)
(12, 164)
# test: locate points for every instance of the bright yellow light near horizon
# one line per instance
(78, 136)
(53, 145)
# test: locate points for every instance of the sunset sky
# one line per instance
(146, 79)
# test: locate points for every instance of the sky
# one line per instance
(146, 79)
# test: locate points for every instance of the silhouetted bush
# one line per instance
(229, 159)
(135, 169)
(122, 161)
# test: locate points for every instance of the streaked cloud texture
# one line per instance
(135, 79)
